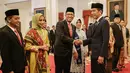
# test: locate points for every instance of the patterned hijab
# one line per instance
(35, 20)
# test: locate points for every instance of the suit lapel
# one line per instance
(117, 26)
(13, 35)
(66, 27)
(95, 26)
(72, 30)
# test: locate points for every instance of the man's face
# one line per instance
(69, 16)
(53, 27)
(116, 7)
(15, 20)
(117, 20)
(96, 13)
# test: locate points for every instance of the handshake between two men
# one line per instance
(84, 42)
(78, 42)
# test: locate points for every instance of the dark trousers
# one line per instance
(109, 66)
(97, 68)
(62, 63)
(23, 71)
(51, 50)
(116, 56)
(20, 72)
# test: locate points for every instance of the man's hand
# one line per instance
(26, 69)
(75, 55)
(89, 53)
(77, 42)
(1, 61)
(11, 72)
(100, 60)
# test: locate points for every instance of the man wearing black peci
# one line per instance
(99, 39)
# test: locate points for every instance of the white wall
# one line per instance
(51, 9)
(2, 15)
(54, 12)
(62, 5)
(38, 4)
(128, 25)
(24, 11)
(25, 14)
(13, 1)
(79, 6)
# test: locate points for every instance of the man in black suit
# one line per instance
(11, 45)
(119, 42)
(65, 32)
(116, 11)
(52, 38)
(100, 39)
(89, 33)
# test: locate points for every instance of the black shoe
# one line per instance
(123, 66)
(115, 70)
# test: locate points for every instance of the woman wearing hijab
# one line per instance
(79, 52)
(37, 44)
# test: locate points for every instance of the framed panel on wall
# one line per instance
(61, 16)
(40, 10)
(117, 7)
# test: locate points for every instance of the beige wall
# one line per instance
(2, 15)
(128, 25)
(25, 14)
(80, 5)
(24, 10)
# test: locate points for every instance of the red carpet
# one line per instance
(52, 64)
(126, 69)
(88, 67)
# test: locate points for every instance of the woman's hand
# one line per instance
(34, 49)
(45, 47)
(75, 55)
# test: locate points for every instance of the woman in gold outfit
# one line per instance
(37, 44)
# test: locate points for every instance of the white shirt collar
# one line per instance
(68, 22)
(13, 29)
(99, 18)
